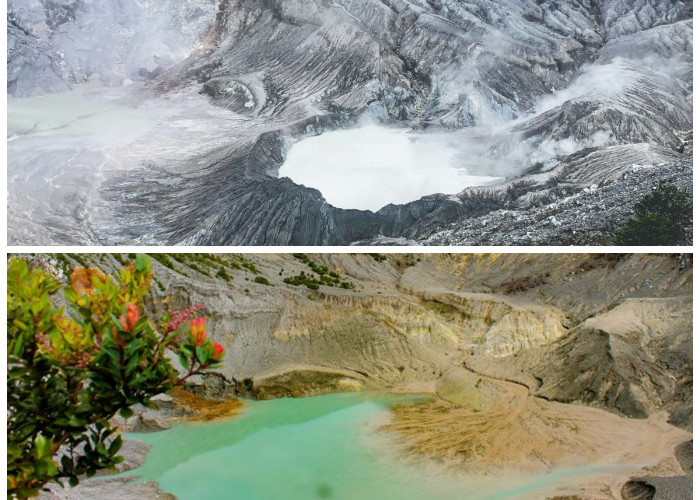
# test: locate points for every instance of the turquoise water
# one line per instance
(323, 447)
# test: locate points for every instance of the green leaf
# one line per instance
(18, 348)
(142, 264)
(42, 447)
(201, 355)
(115, 445)
(75, 421)
(126, 412)
(184, 362)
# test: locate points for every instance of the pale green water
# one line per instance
(311, 448)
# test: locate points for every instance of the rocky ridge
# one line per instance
(587, 217)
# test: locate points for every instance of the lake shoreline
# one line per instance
(414, 421)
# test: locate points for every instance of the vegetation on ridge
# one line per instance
(324, 276)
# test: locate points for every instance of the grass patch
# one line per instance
(162, 259)
(222, 274)
(321, 275)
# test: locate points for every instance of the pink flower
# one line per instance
(132, 316)
(198, 329)
(82, 359)
(44, 341)
(179, 317)
(218, 350)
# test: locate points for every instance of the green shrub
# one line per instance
(661, 218)
(303, 279)
(324, 276)
(221, 273)
(652, 229)
(262, 280)
(200, 270)
(247, 264)
(302, 257)
(161, 258)
(70, 372)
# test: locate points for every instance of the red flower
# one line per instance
(198, 329)
(132, 316)
(218, 350)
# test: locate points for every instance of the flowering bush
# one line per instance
(70, 372)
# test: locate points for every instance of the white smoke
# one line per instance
(596, 81)
(115, 40)
(371, 166)
(549, 149)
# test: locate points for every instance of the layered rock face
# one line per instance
(553, 96)
(612, 331)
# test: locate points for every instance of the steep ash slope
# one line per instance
(622, 360)
(522, 85)
(608, 330)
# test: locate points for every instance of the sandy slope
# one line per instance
(525, 433)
